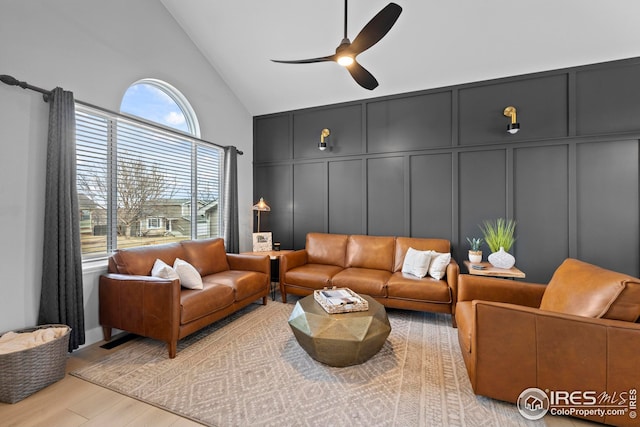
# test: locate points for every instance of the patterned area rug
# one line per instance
(249, 370)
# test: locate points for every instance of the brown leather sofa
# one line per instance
(134, 301)
(370, 265)
(576, 334)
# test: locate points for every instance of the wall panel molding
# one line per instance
(436, 163)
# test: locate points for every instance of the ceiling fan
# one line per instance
(347, 51)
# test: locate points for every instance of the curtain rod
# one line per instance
(12, 81)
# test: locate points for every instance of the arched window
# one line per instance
(161, 103)
(140, 183)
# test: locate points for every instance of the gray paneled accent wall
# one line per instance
(541, 206)
(431, 196)
(346, 198)
(437, 163)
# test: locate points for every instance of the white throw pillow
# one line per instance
(163, 270)
(189, 276)
(439, 263)
(417, 262)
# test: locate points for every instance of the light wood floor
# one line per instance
(74, 402)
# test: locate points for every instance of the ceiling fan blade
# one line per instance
(362, 76)
(307, 61)
(376, 29)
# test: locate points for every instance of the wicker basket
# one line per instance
(22, 373)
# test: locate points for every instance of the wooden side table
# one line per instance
(490, 270)
(274, 256)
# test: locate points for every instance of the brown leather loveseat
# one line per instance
(578, 335)
(370, 265)
(134, 301)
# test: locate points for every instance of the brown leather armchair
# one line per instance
(578, 333)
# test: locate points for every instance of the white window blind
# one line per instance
(140, 184)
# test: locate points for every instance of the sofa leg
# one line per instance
(173, 349)
(106, 333)
(264, 300)
(284, 296)
(454, 325)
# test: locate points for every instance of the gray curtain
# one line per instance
(231, 231)
(61, 298)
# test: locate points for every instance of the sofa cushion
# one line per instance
(195, 304)
(208, 256)
(244, 283)
(439, 263)
(189, 276)
(328, 249)
(404, 243)
(362, 281)
(627, 306)
(139, 261)
(582, 289)
(370, 252)
(164, 271)
(313, 276)
(417, 262)
(427, 289)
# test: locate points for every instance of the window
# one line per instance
(154, 222)
(161, 103)
(138, 181)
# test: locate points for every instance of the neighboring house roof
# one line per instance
(86, 202)
(207, 207)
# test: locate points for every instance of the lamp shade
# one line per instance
(261, 206)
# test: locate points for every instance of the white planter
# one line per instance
(502, 259)
(475, 257)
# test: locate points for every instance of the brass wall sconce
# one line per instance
(261, 206)
(322, 145)
(514, 126)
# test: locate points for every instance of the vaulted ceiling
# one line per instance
(434, 43)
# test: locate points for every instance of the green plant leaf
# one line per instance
(499, 233)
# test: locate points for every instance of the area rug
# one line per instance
(248, 370)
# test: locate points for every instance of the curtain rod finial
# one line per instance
(9, 80)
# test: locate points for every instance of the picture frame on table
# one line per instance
(262, 242)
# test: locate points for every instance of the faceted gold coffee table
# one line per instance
(342, 339)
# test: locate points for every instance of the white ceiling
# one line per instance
(434, 43)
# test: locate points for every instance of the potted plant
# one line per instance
(499, 235)
(475, 253)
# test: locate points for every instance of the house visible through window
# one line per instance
(137, 182)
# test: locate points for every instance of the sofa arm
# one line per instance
(261, 264)
(516, 347)
(143, 305)
(452, 274)
(500, 290)
(292, 260)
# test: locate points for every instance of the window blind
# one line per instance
(139, 184)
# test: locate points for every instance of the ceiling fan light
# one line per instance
(345, 61)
